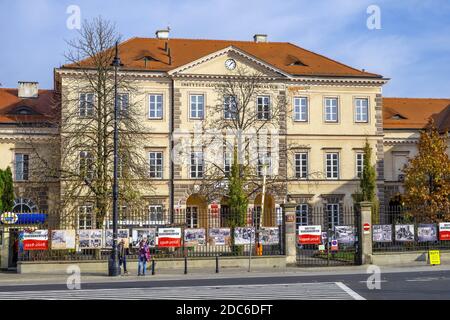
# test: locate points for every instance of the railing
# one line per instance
(403, 229)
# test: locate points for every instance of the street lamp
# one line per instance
(113, 263)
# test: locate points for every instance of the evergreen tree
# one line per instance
(1, 190)
(368, 176)
(7, 194)
(238, 201)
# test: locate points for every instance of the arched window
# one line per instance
(22, 205)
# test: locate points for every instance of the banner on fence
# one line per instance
(345, 234)
(62, 239)
(269, 236)
(35, 240)
(404, 232)
(219, 236)
(243, 235)
(194, 237)
(309, 234)
(426, 232)
(90, 239)
(144, 233)
(444, 231)
(122, 234)
(169, 237)
(382, 233)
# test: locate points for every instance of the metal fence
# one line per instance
(203, 233)
(408, 229)
(340, 233)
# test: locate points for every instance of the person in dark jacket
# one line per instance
(122, 255)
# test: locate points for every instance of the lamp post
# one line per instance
(113, 263)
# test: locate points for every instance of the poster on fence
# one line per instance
(219, 236)
(404, 232)
(35, 240)
(194, 237)
(309, 234)
(269, 236)
(345, 234)
(144, 233)
(169, 237)
(444, 231)
(122, 234)
(243, 235)
(426, 232)
(90, 238)
(63, 239)
(382, 232)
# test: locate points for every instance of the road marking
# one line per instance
(291, 291)
(349, 291)
(380, 281)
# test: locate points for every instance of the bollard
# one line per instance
(153, 267)
(185, 265)
(217, 264)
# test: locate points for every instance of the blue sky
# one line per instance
(412, 47)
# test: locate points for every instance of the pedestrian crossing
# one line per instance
(291, 291)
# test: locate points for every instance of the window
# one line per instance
(230, 107)
(86, 168)
(332, 165)
(333, 213)
(85, 217)
(197, 106)
(263, 107)
(192, 217)
(196, 165)
(156, 214)
(156, 164)
(123, 103)
(359, 164)
(227, 162)
(301, 109)
(361, 110)
(264, 164)
(21, 165)
(156, 106)
(331, 110)
(301, 215)
(86, 104)
(301, 165)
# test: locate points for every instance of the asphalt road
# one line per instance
(429, 285)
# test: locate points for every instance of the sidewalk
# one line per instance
(7, 279)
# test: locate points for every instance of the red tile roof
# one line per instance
(43, 108)
(414, 113)
(281, 55)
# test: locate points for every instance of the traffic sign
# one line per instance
(366, 228)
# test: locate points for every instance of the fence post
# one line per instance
(185, 265)
(289, 232)
(217, 264)
(153, 267)
(365, 241)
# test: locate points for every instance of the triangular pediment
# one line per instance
(216, 64)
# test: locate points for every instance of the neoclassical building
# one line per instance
(330, 110)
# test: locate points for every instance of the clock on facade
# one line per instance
(230, 64)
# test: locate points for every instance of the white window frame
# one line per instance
(227, 107)
(359, 111)
(21, 166)
(158, 171)
(192, 216)
(266, 157)
(359, 164)
(83, 212)
(123, 110)
(196, 107)
(157, 114)
(298, 106)
(329, 107)
(84, 105)
(333, 214)
(227, 162)
(196, 161)
(89, 171)
(301, 169)
(262, 102)
(301, 215)
(156, 209)
(334, 174)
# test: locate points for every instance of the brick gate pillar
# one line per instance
(366, 236)
(290, 235)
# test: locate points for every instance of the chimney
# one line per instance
(162, 34)
(28, 89)
(260, 37)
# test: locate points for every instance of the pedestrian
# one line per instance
(144, 256)
(122, 255)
